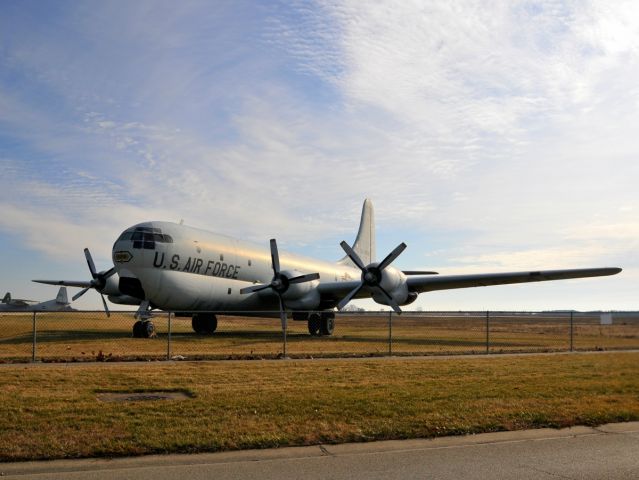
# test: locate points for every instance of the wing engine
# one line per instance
(387, 284)
(295, 289)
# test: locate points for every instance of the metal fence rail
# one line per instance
(90, 336)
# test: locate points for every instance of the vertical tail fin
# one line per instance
(7, 298)
(62, 296)
(364, 244)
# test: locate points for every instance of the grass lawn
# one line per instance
(52, 411)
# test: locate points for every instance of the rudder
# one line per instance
(364, 244)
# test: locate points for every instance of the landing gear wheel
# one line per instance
(327, 323)
(148, 330)
(143, 329)
(314, 321)
(137, 329)
(204, 323)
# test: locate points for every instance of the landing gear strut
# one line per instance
(321, 323)
(204, 323)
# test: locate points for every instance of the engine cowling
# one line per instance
(394, 282)
(301, 296)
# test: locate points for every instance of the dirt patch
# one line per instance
(143, 396)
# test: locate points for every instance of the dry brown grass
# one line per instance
(90, 335)
(52, 411)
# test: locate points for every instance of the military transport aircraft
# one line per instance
(60, 303)
(196, 273)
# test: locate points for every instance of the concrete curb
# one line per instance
(86, 465)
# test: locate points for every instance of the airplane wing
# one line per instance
(446, 282)
(65, 283)
(335, 291)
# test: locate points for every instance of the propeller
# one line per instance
(98, 280)
(280, 283)
(371, 275)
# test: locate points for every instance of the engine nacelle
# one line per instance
(394, 282)
(301, 296)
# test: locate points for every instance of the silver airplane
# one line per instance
(60, 303)
(197, 273)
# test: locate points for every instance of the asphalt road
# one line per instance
(610, 452)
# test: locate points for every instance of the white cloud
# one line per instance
(510, 128)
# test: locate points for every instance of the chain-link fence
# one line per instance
(91, 336)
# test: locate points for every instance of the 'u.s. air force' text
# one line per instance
(197, 265)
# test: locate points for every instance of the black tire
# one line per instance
(196, 324)
(314, 321)
(327, 323)
(204, 323)
(147, 329)
(137, 329)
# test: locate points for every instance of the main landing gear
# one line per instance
(143, 327)
(322, 323)
(204, 323)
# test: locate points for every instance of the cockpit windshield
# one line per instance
(145, 237)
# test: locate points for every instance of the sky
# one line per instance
(491, 136)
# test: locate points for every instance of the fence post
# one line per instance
(572, 332)
(33, 348)
(284, 328)
(390, 333)
(168, 342)
(487, 331)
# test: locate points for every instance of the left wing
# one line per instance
(333, 292)
(446, 282)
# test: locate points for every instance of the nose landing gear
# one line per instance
(143, 327)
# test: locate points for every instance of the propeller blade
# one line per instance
(391, 300)
(254, 288)
(419, 272)
(352, 255)
(392, 256)
(87, 254)
(80, 293)
(275, 257)
(106, 309)
(304, 278)
(108, 273)
(348, 297)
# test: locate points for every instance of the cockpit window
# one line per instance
(145, 237)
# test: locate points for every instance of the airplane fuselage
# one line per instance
(176, 267)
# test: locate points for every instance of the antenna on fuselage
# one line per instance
(181, 221)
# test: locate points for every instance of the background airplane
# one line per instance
(198, 273)
(60, 303)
